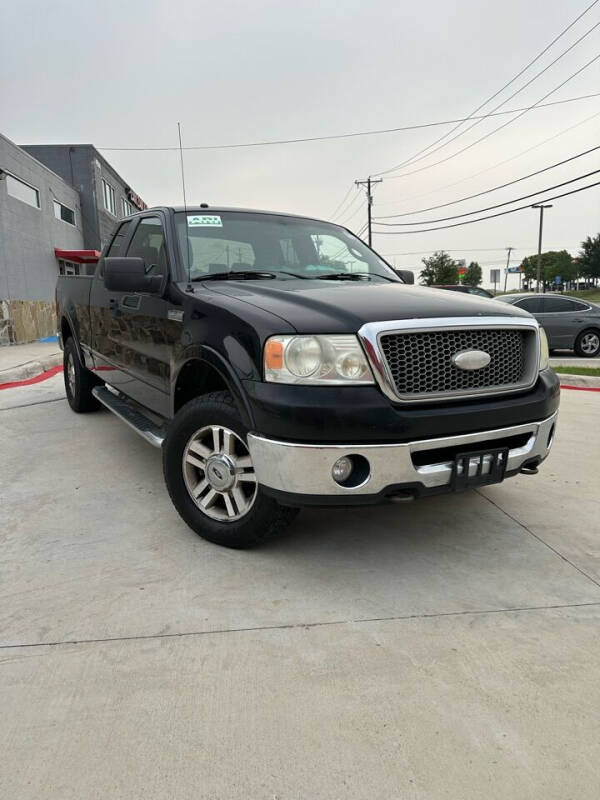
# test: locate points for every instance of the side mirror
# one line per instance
(129, 275)
(407, 275)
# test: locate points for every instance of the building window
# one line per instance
(126, 207)
(108, 194)
(67, 267)
(22, 191)
(64, 212)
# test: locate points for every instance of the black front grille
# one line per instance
(420, 363)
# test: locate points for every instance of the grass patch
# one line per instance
(593, 371)
(593, 295)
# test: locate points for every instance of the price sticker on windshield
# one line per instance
(204, 221)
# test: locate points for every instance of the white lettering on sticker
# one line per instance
(204, 221)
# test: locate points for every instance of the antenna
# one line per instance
(189, 287)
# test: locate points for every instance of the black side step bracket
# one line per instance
(147, 429)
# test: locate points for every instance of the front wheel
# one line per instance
(210, 476)
(587, 344)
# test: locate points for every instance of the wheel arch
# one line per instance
(67, 331)
(203, 370)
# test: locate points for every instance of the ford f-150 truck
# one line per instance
(279, 362)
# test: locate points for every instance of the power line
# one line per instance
(422, 154)
(344, 135)
(494, 189)
(352, 205)
(500, 127)
(347, 222)
(488, 208)
(506, 85)
(346, 196)
(470, 250)
(499, 164)
(490, 216)
(349, 205)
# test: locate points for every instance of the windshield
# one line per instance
(289, 247)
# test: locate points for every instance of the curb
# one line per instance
(30, 369)
(579, 381)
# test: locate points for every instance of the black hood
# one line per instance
(322, 306)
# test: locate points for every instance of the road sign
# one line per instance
(495, 276)
(558, 279)
(514, 270)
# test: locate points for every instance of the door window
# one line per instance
(531, 304)
(114, 248)
(148, 242)
(556, 305)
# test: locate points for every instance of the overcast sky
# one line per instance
(122, 74)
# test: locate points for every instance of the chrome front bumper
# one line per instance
(305, 469)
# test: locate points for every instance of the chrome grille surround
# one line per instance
(428, 368)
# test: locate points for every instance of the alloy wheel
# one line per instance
(590, 342)
(71, 374)
(218, 473)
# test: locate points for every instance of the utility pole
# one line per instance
(539, 258)
(369, 183)
(506, 271)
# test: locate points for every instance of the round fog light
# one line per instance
(341, 470)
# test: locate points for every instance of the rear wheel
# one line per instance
(210, 476)
(79, 381)
(587, 344)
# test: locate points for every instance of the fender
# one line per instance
(80, 353)
(225, 370)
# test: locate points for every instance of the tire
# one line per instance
(79, 381)
(205, 450)
(587, 344)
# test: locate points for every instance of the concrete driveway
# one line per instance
(444, 649)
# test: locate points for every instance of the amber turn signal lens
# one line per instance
(274, 354)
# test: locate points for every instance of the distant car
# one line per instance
(463, 287)
(569, 323)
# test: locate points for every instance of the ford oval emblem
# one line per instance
(471, 359)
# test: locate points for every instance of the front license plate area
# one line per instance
(479, 468)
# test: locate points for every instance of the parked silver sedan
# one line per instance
(569, 323)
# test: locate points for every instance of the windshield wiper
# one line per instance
(343, 276)
(242, 274)
(351, 276)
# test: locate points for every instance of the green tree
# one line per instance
(473, 276)
(439, 268)
(589, 258)
(554, 262)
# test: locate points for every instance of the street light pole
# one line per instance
(539, 258)
(506, 271)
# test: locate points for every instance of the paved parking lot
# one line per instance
(445, 649)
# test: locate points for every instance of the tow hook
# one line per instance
(529, 469)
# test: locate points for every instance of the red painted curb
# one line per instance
(43, 376)
(574, 388)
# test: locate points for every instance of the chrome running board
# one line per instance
(148, 430)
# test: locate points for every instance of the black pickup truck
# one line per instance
(279, 362)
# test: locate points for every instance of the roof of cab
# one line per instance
(206, 209)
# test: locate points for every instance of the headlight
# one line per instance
(322, 360)
(544, 351)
